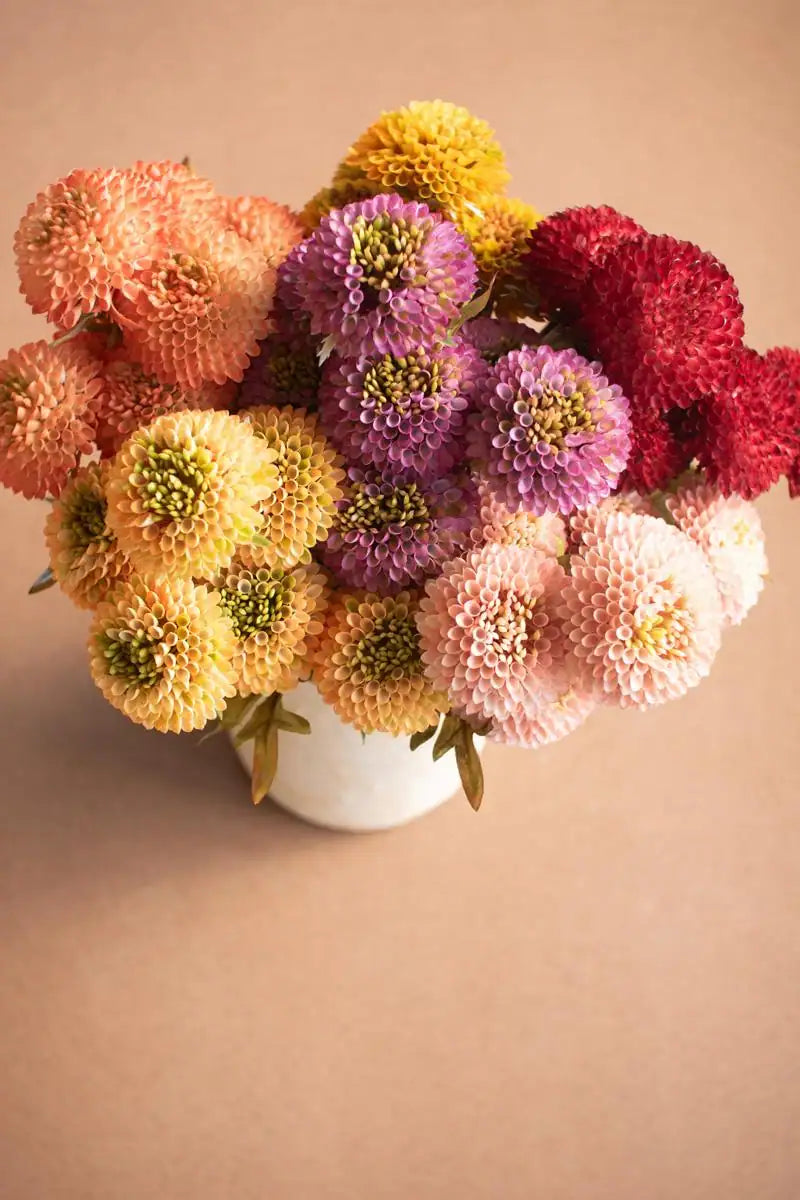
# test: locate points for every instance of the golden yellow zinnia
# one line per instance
(84, 555)
(498, 229)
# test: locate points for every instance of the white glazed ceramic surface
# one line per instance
(334, 778)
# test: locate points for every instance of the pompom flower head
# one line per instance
(406, 415)
(84, 555)
(197, 312)
(186, 196)
(161, 652)
(388, 536)
(555, 709)
(547, 533)
(728, 530)
(185, 492)
(368, 666)
(46, 415)
(83, 239)
(489, 630)
(498, 230)
(430, 150)
(272, 229)
(641, 610)
(308, 473)
(383, 276)
(551, 431)
(275, 616)
(285, 371)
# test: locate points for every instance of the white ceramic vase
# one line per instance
(335, 778)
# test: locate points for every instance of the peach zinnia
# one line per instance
(84, 555)
(273, 229)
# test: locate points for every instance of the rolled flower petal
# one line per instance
(47, 422)
(368, 665)
(556, 708)
(729, 532)
(84, 555)
(285, 370)
(489, 630)
(383, 276)
(641, 610)
(551, 433)
(272, 229)
(161, 652)
(493, 337)
(498, 229)
(497, 523)
(186, 491)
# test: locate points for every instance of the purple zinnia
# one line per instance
(495, 336)
(405, 415)
(285, 371)
(551, 432)
(389, 536)
(286, 287)
(383, 276)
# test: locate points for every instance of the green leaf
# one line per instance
(326, 348)
(261, 718)
(425, 735)
(45, 581)
(265, 762)
(469, 768)
(471, 309)
(258, 539)
(290, 722)
(448, 735)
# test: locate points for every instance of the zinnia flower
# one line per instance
(368, 666)
(641, 610)
(276, 620)
(662, 446)
(565, 247)
(498, 229)
(556, 708)
(197, 312)
(383, 276)
(302, 505)
(189, 198)
(493, 337)
(586, 519)
(489, 629)
(272, 229)
(728, 530)
(431, 150)
(405, 415)
(389, 535)
(160, 652)
(346, 186)
(84, 555)
(497, 523)
(186, 491)
(83, 239)
(551, 431)
(285, 371)
(46, 418)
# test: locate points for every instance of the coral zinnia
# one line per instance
(389, 535)
(161, 652)
(273, 229)
(368, 666)
(46, 418)
(641, 610)
(551, 431)
(383, 276)
(556, 708)
(187, 196)
(84, 555)
(431, 150)
(185, 492)
(728, 530)
(406, 415)
(302, 505)
(489, 629)
(276, 619)
(84, 238)
(197, 312)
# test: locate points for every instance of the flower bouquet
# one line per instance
(466, 471)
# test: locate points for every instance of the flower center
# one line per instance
(255, 601)
(391, 382)
(293, 373)
(386, 250)
(551, 413)
(182, 274)
(390, 650)
(512, 624)
(87, 519)
(174, 482)
(662, 631)
(133, 656)
(402, 506)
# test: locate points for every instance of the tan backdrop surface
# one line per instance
(590, 990)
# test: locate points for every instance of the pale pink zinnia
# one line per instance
(497, 523)
(489, 630)
(641, 610)
(556, 708)
(584, 519)
(729, 532)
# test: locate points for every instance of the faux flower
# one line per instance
(728, 530)
(388, 536)
(131, 399)
(405, 414)
(196, 314)
(551, 432)
(556, 708)
(161, 652)
(275, 616)
(384, 276)
(273, 229)
(493, 337)
(285, 370)
(84, 555)
(566, 246)
(46, 417)
(432, 151)
(287, 293)
(489, 630)
(83, 239)
(547, 533)
(641, 610)
(665, 318)
(186, 491)
(498, 229)
(368, 666)
(301, 506)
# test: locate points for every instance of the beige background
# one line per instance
(590, 990)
